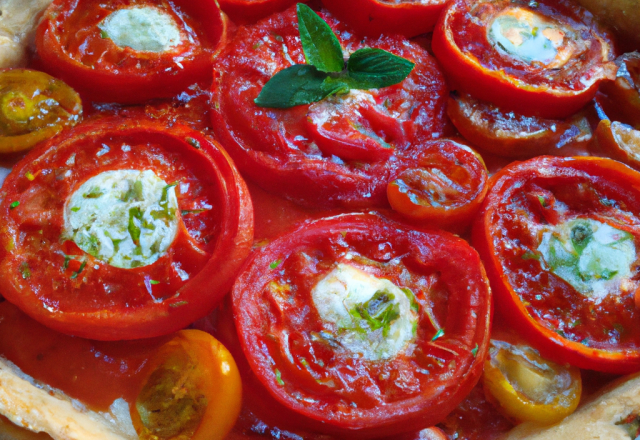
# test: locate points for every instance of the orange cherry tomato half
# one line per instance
(444, 186)
(510, 134)
(624, 92)
(375, 17)
(619, 141)
(527, 387)
(543, 58)
(131, 51)
(33, 108)
(191, 389)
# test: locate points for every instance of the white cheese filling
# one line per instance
(145, 29)
(368, 316)
(126, 218)
(593, 257)
(530, 37)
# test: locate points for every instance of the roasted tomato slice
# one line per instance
(376, 17)
(559, 239)
(356, 326)
(250, 11)
(543, 58)
(509, 134)
(130, 51)
(190, 389)
(624, 92)
(119, 230)
(619, 141)
(443, 188)
(528, 387)
(333, 153)
(33, 108)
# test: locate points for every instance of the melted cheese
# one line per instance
(42, 409)
(145, 29)
(345, 296)
(126, 218)
(593, 257)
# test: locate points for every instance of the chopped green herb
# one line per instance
(75, 209)
(67, 258)
(29, 176)
(530, 256)
(25, 270)
(474, 352)
(103, 34)
(542, 201)
(275, 264)
(438, 335)
(192, 211)
(134, 230)
(179, 304)
(379, 311)
(14, 205)
(154, 282)
(412, 298)
(279, 377)
(194, 143)
(82, 266)
(94, 193)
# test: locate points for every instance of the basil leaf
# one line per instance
(375, 68)
(296, 85)
(320, 45)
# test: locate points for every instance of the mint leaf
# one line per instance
(375, 68)
(320, 45)
(296, 85)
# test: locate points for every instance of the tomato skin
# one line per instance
(375, 17)
(250, 11)
(252, 321)
(160, 77)
(274, 148)
(416, 197)
(513, 135)
(521, 89)
(619, 141)
(211, 262)
(47, 107)
(213, 374)
(505, 185)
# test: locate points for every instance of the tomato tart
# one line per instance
(120, 229)
(354, 325)
(559, 240)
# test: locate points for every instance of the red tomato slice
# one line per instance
(375, 17)
(357, 131)
(126, 283)
(443, 188)
(543, 58)
(509, 134)
(326, 162)
(559, 238)
(321, 358)
(96, 48)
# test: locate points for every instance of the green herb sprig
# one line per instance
(326, 72)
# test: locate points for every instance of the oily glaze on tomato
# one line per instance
(74, 44)
(543, 58)
(250, 11)
(310, 153)
(509, 134)
(83, 281)
(623, 94)
(33, 108)
(415, 358)
(375, 17)
(559, 237)
(443, 187)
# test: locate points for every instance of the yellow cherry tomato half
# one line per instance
(190, 389)
(33, 108)
(527, 387)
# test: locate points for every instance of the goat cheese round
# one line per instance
(371, 316)
(144, 29)
(126, 218)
